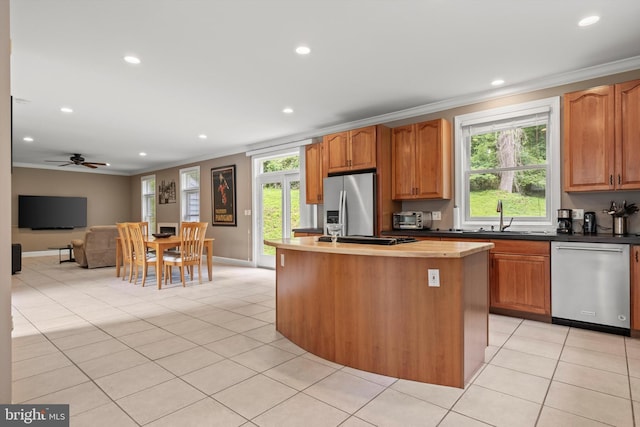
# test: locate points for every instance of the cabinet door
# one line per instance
(362, 152)
(627, 135)
(313, 173)
(337, 146)
(635, 287)
(521, 282)
(432, 157)
(589, 139)
(403, 157)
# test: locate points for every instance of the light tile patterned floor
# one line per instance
(209, 355)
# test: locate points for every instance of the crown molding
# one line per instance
(610, 68)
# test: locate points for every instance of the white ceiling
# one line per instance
(227, 68)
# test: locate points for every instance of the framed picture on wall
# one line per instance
(223, 197)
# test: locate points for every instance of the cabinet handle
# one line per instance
(619, 179)
(636, 255)
(610, 179)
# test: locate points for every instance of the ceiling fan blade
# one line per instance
(94, 163)
(57, 161)
(65, 164)
(89, 165)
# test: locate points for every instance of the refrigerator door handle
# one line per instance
(342, 214)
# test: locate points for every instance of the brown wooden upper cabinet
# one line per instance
(351, 150)
(421, 166)
(601, 135)
(314, 173)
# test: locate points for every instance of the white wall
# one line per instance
(5, 207)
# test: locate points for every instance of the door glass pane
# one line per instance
(294, 206)
(271, 214)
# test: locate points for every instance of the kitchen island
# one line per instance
(372, 308)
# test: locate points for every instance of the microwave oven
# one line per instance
(411, 220)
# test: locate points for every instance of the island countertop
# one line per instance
(419, 249)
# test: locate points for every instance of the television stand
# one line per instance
(62, 248)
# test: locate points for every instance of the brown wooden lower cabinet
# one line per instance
(520, 278)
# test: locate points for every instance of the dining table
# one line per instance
(159, 245)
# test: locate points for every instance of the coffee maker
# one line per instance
(565, 222)
(589, 226)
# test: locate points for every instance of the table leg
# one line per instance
(210, 260)
(159, 268)
(118, 259)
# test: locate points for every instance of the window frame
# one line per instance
(148, 217)
(186, 192)
(462, 157)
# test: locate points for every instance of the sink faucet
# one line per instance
(502, 227)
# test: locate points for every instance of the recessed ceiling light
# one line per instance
(303, 50)
(497, 82)
(202, 136)
(132, 59)
(589, 20)
(27, 139)
(66, 110)
(142, 153)
(288, 110)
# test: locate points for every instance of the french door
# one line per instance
(278, 212)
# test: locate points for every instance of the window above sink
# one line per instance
(510, 154)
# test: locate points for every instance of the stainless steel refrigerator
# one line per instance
(350, 200)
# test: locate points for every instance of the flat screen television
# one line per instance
(51, 212)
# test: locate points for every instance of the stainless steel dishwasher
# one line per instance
(590, 285)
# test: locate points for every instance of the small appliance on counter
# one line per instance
(412, 220)
(565, 223)
(589, 225)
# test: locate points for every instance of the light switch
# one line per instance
(281, 260)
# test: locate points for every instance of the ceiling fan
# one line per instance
(78, 160)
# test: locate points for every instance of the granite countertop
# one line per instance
(630, 239)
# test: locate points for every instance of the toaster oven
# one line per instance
(411, 220)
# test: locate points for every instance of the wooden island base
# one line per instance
(377, 313)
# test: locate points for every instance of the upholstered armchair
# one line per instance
(98, 249)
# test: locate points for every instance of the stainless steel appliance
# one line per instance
(589, 226)
(590, 285)
(412, 220)
(350, 200)
(565, 222)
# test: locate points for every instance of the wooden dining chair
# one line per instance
(127, 250)
(192, 236)
(140, 258)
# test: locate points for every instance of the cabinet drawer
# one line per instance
(526, 247)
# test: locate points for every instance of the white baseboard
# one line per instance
(40, 253)
(233, 261)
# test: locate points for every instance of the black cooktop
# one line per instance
(370, 240)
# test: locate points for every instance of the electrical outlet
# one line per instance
(247, 212)
(577, 213)
(434, 277)
(436, 216)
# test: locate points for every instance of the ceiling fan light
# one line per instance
(67, 110)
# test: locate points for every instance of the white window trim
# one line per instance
(142, 196)
(554, 179)
(182, 190)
